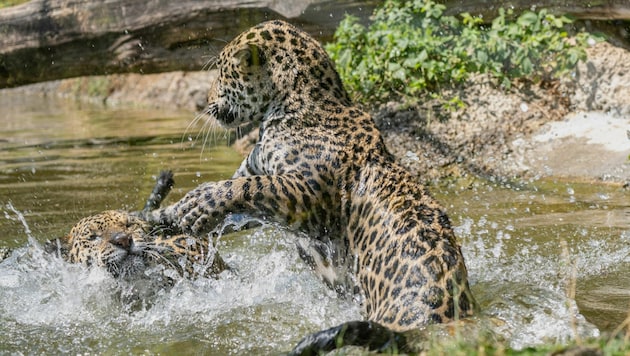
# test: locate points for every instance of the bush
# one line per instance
(412, 49)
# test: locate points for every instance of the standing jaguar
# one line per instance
(320, 167)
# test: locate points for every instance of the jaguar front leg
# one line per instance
(285, 199)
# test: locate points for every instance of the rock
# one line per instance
(591, 144)
(171, 90)
(590, 141)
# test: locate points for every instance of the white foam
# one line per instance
(267, 303)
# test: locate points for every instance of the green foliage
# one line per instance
(9, 3)
(412, 48)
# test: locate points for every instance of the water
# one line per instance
(530, 248)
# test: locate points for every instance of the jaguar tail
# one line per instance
(368, 334)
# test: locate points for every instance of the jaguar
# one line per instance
(126, 245)
(320, 167)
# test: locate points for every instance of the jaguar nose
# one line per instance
(226, 116)
(121, 240)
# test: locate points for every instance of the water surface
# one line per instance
(547, 260)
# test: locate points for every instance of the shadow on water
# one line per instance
(59, 161)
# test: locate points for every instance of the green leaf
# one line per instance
(482, 56)
(526, 66)
(527, 19)
(411, 48)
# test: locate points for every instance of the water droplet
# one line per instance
(524, 107)
(412, 156)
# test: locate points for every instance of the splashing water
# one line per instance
(272, 298)
(525, 291)
(267, 303)
(534, 252)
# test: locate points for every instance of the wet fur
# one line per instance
(126, 245)
(320, 167)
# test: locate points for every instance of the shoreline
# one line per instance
(527, 132)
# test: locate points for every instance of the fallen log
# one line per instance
(53, 39)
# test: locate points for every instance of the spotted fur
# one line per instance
(320, 167)
(126, 245)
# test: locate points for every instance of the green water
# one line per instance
(524, 245)
(61, 160)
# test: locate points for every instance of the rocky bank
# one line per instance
(576, 128)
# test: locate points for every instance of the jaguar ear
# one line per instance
(250, 56)
(58, 247)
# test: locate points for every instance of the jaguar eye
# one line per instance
(93, 237)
